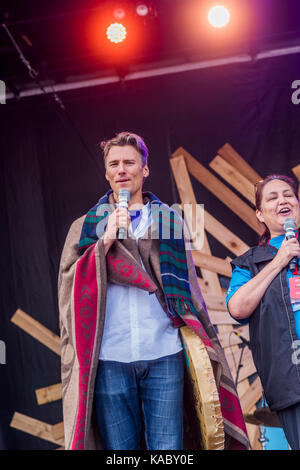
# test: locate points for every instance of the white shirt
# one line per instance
(136, 327)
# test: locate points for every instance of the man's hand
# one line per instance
(288, 250)
(119, 218)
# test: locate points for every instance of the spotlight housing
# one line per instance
(142, 9)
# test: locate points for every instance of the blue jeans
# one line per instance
(122, 390)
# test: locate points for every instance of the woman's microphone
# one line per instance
(290, 228)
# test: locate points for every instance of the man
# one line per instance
(122, 358)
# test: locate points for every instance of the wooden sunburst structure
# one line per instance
(233, 169)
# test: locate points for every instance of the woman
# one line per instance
(261, 292)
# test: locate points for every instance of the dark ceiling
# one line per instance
(64, 40)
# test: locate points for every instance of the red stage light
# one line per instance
(116, 32)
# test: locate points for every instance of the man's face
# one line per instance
(124, 170)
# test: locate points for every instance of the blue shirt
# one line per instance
(240, 276)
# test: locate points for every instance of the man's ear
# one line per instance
(146, 171)
(260, 216)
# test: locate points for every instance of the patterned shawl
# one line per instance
(168, 227)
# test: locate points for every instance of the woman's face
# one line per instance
(278, 203)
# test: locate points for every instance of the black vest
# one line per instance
(273, 338)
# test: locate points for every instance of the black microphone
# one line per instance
(123, 196)
(244, 340)
(290, 228)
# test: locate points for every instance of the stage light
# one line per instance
(142, 9)
(218, 16)
(119, 13)
(116, 32)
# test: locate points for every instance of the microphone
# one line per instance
(123, 196)
(290, 228)
(244, 340)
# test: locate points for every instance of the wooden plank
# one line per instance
(37, 330)
(248, 367)
(255, 444)
(215, 302)
(212, 263)
(222, 192)
(251, 396)
(296, 171)
(204, 289)
(224, 235)
(247, 370)
(219, 317)
(254, 434)
(34, 427)
(187, 196)
(212, 278)
(203, 286)
(49, 394)
(234, 178)
(57, 431)
(230, 338)
(242, 386)
(232, 157)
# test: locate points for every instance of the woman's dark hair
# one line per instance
(258, 197)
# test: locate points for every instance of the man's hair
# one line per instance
(126, 138)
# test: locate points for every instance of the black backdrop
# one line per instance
(51, 174)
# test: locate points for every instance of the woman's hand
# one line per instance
(288, 250)
(246, 299)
